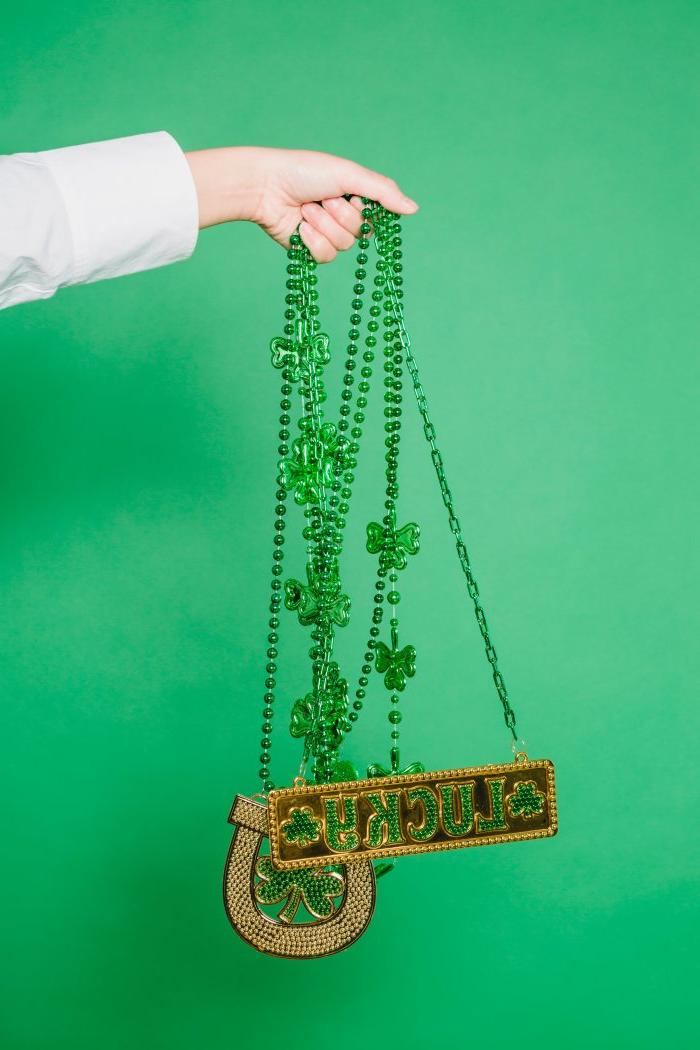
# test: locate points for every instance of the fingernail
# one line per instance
(410, 203)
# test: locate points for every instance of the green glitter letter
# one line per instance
(453, 826)
(341, 832)
(426, 797)
(497, 822)
(386, 804)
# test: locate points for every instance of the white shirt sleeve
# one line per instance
(83, 213)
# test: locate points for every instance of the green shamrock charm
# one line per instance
(318, 601)
(392, 544)
(526, 801)
(302, 827)
(395, 664)
(298, 354)
(377, 770)
(304, 473)
(316, 889)
(314, 463)
(328, 705)
(342, 769)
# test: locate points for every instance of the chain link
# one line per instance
(447, 499)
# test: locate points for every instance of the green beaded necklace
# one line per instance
(317, 469)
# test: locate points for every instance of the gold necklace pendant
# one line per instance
(358, 821)
(340, 901)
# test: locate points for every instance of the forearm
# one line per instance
(230, 183)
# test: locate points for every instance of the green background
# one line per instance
(551, 291)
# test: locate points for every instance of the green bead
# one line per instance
(393, 597)
(395, 717)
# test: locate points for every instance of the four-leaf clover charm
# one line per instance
(526, 801)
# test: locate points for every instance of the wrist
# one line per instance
(229, 184)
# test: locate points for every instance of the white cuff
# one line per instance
(131, 204)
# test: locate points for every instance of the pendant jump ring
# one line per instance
(519, 749)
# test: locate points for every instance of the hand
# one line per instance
(281, 188)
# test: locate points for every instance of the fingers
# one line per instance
(347, 214)
(325, 224)
(367, 183)
(331, 227)
(319, 246)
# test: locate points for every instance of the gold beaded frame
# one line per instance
(392, 816)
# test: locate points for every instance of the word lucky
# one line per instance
(384, 817)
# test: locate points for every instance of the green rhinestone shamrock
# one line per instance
(302, 827)
(316, 889)
(526, 801)
(395, 664)
(330, 705)
(299, 353)
(318, 601)
(392, 544)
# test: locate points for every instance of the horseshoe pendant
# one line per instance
(332, 928)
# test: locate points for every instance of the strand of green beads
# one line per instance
(392, 412)
(377, 214)
(342, 484)
(326, 736)
(290, 315)
(321, 556)
(380, 218)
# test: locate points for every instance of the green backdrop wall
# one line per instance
(551, 283)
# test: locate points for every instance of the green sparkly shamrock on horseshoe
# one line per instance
(316, 889)
(302, 827)
(526, 801)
